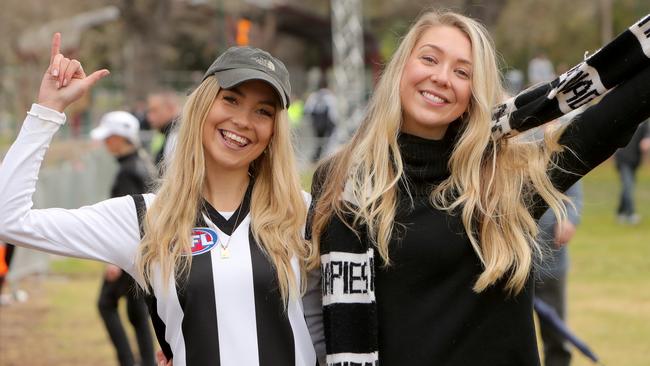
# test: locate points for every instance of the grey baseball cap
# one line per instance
(239, 64)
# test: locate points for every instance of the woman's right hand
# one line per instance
(161, 360)
(112, 273)
(65, 80)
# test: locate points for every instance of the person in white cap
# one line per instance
(119, 131)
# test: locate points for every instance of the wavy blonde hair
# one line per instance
(278, 209)
(492, 182)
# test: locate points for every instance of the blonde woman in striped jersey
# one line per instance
(219, 248)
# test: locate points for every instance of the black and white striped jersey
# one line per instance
(227, 312)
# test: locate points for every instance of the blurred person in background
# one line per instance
(6, 254)
(425, 223)
(551, 281)
(162, 110)
(119, 131)
(296, 111)
(514, 81)
(540, 69)
(139, 110)
(219, 248)
(321, 108)
(628, 160)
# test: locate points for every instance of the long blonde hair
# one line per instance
(491, 185)
(278, 209)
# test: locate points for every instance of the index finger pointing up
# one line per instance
(56, 46)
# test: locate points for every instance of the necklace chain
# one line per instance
(225, 253)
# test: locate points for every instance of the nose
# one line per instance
(441, 77)
(240, 120)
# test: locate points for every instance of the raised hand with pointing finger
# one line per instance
(65, 80)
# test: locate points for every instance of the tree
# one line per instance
(487, 12)
(147, 25)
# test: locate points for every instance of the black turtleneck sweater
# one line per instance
(427, 311)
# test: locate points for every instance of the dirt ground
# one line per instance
(41, 332)
(20, 322)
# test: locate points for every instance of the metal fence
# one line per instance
(72, 184)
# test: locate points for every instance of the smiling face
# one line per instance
(239, 126)
(435, 88)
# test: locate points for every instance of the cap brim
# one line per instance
(99, 133)
(233, 77)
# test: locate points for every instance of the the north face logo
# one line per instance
(265, 62)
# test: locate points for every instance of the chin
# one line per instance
(232, 165)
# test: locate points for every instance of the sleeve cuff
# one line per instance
(47, 114)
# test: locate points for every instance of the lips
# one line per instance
(433, 97)
(234, 139)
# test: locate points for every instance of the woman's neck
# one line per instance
(425, 161)
(225, 190)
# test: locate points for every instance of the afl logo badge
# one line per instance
(203, 239)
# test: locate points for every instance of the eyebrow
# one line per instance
(461, 60)
(270, 103)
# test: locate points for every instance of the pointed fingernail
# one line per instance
(58, 84)
(65, 82)
(55, 72)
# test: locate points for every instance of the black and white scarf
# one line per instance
(618, 61)
(350, 311)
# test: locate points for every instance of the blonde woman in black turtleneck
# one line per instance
(425, 222)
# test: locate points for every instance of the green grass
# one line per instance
(609, 280)
(75, 268)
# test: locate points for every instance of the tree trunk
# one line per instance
(146, 24)
(607, 24)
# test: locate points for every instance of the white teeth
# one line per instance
(242, 141)
(433, 98)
